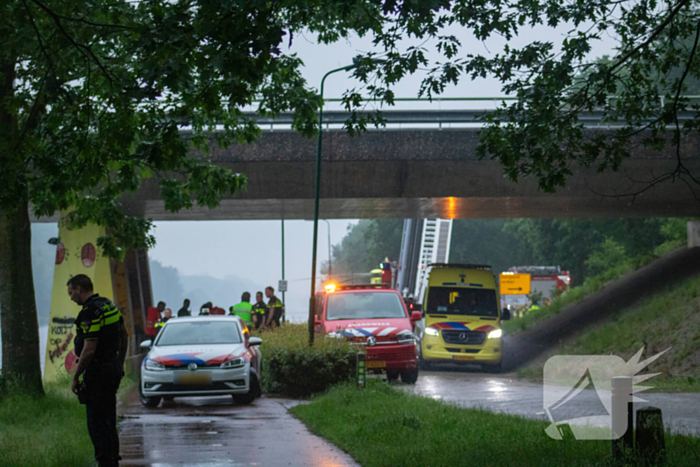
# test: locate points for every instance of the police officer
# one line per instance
(259, 311)
(100, 343)
(243, 309)
(275, 308)
(167, 314)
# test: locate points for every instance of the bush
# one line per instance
(291, 368)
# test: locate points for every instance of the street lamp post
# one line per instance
(317, 192)
(330, 260)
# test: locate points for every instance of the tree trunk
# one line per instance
(20, 327)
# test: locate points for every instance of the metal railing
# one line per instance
(435, 117)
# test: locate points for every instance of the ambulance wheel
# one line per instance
(410, 376)
(149, 401)
(493, 368)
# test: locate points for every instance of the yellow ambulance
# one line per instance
(462, 317)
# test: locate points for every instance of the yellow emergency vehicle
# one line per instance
(462, 317)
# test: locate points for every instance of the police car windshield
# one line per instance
(364, 305)
(462, 301)
(199, 333)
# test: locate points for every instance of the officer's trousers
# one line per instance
(102, 384)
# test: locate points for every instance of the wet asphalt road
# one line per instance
(212, 432)
(468, 387)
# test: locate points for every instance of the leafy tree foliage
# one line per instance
(97, 96)
(639, 91)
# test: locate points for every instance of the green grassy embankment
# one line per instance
(50, 431)
(669, 319)
(578, 293)
(382, 426)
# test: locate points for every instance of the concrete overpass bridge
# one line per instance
(418, 168)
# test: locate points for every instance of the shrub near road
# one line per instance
(381, 426)
(292, 368)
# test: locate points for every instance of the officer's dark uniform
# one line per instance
(100, 320)
(159, 325)
(260, 309)
(276, 309)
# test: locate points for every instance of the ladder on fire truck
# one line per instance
(424, 241)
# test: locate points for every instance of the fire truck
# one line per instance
(547, 281)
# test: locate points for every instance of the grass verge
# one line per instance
(669, 320)
(50, 431)
(578, 293)
(382, 426)
(44, 432)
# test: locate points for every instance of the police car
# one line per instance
(201, 356)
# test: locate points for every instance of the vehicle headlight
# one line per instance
(406, 338)
(495, 334)
(154, 365)
(432, 332)
(233, 363)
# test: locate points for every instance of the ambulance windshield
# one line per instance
(462, 301)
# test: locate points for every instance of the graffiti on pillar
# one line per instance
(75, 254)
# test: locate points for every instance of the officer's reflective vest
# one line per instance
(159, 325)
(243, 311)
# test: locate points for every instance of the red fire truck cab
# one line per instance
(375, 317)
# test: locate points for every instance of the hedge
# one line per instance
(291, 368)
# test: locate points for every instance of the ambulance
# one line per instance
(462, 317)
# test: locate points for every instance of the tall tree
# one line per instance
(97, 96)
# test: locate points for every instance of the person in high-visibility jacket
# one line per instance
(244, 309)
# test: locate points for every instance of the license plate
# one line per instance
(192, 377)
(376, 364)
(464, 358)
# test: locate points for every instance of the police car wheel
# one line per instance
(149, 401)
(253, 391)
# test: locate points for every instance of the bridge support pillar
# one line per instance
(127, 283)
(693, 234)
